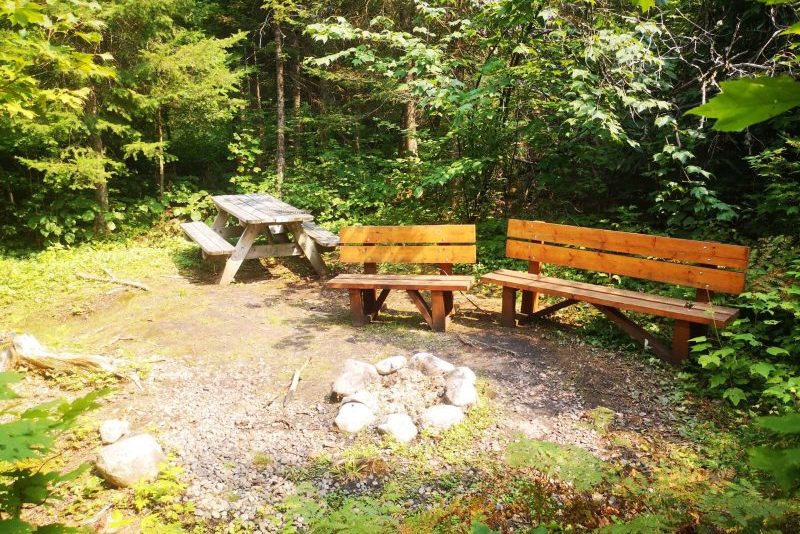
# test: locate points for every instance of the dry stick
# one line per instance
(114, 280)
(474, 343)
(295, 381)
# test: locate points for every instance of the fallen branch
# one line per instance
(295, 381)
(480, 345)
(27, 349)
(112, 279)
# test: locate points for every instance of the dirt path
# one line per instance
(222, 357)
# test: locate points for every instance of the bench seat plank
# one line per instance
(683, 310)
(320, 235)
(430, 282)
(211, 242)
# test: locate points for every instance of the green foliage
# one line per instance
(566, 462)
(745, 102)
(781, 462)
(25, 439)
(758, 357)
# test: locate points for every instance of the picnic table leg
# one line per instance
(439, 318)
(309, 248)
(249, 235)
(508, 316)
(220, 221)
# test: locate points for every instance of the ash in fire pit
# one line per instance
(400, 395)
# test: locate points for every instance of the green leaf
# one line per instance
(5, 379)
(793, 29)
(748, 101)
(735, 395)
(479, 528)
(707, 360)
(783, 424)
(644, 5)
(762, 369)
(777, 351)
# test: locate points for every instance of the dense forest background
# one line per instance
(123, 114)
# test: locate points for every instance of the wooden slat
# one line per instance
(401, 281)
(672, 273)
(212, 243)
(671, 248)
(618, 298)
(408, 254)
(260, 209)
(440, 233)
(320, 235)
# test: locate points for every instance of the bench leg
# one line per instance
(508, 315)
(220, 222)
(448, 302)
(360, 318)
(439, 316)
(681, 333)
(421, 305)
(239, 253)
(378, 304)
(530, 302)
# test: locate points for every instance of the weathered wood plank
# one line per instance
(628, 300)
(308, 246)
(408, 254)
(212, 243)
(320, 235)
(240, 253)
(659, 271)
(440, 233)
(707, 252)
(401, 282)
(274, 251)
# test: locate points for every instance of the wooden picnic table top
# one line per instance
(260, 209)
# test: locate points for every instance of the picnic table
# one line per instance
(289, 231)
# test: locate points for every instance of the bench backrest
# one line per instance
(443, 244)
(704, 265)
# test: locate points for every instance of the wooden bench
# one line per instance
(442, 245)
(211, 243)
(709, 267)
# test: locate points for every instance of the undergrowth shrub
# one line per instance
(26, 437)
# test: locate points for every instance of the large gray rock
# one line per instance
(440, 417)
(462, 373)
(390, 365)
(112, 430)
(400, 426)
(131, 460)
(364, 397)
(460, 387)
(353, 417)
(430, 364)
(355, 376)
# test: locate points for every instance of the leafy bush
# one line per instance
(758, 357)
(25, 439)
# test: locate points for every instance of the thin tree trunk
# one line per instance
(280, 160)
(160, 123)
(297, 127)
(101, 188)
(410, 120)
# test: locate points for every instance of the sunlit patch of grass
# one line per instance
(47, 283)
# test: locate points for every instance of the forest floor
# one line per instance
(565, 434)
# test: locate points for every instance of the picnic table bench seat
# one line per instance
(706, 266)
(442, 245)
(210, 241)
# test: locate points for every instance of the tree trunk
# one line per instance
(280, 160)
(101, 188)
(160, 156)
(410, 122)
(297, 127)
